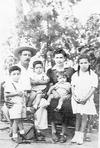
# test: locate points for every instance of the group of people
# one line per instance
(53, 94)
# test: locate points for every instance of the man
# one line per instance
(24, 55)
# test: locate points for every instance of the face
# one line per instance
(61, 78)
(59, 59)
(25, 57)
(38, 68)
(84, 64)
(15, 75)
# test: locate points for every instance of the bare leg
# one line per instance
(59, 104)
(78, 122)
(82, 129)
(77, 128)
(53, 127)
(31, 99)
(15, 128)
(50, 98)
(84, 123)
(21, 127)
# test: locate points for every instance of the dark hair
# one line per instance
(37, 62)
(14, 68)
(84, 56)
(59, 51)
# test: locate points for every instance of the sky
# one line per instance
(85, 8)
(7, 16)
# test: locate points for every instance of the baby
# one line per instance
(59, 91)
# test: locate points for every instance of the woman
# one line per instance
(65, 111)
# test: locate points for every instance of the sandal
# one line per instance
(88, 139)
(54, 137)
(62, 138)
(40, 137)
(16, 140)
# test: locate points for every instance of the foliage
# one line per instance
(50, 23)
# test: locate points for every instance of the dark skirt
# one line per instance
(64, 114)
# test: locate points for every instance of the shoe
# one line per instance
(63, 139)
(40, 137)
(56, 110)
(54, 137)
(74, 139)
(80, 139)
(16, 140)
(88, 139)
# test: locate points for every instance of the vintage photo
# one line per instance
(49, 73)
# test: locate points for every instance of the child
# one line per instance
(39, 81)
(84, 82)
(59, 91)
(13, 93)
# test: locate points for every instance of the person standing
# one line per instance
(84, 82)
(24, 55)
(13, 91)
(65, 111)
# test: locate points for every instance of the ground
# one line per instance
(5, 141)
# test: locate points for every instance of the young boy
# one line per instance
(59, 91)
(39, 81)
(13, 92)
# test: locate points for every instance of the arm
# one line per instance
(8, 94)
(51, 89)
(90, 93)
(42, 81)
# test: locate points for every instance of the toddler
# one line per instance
(59, 91)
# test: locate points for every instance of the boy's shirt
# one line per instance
(38, 77)
(12, 87)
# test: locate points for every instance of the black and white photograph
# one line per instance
(49, 73)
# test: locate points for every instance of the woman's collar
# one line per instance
(57, 68)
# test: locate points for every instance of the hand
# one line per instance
(9, 103)
(83, 102)
(48, 93)
(20, 93)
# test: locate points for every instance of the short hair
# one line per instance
(59, 51)
(14, 68)
(37, 62)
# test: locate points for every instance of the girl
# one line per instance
(84, 82)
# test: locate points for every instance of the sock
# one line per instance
(28, 109)
(22, 132)
(15, 135)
